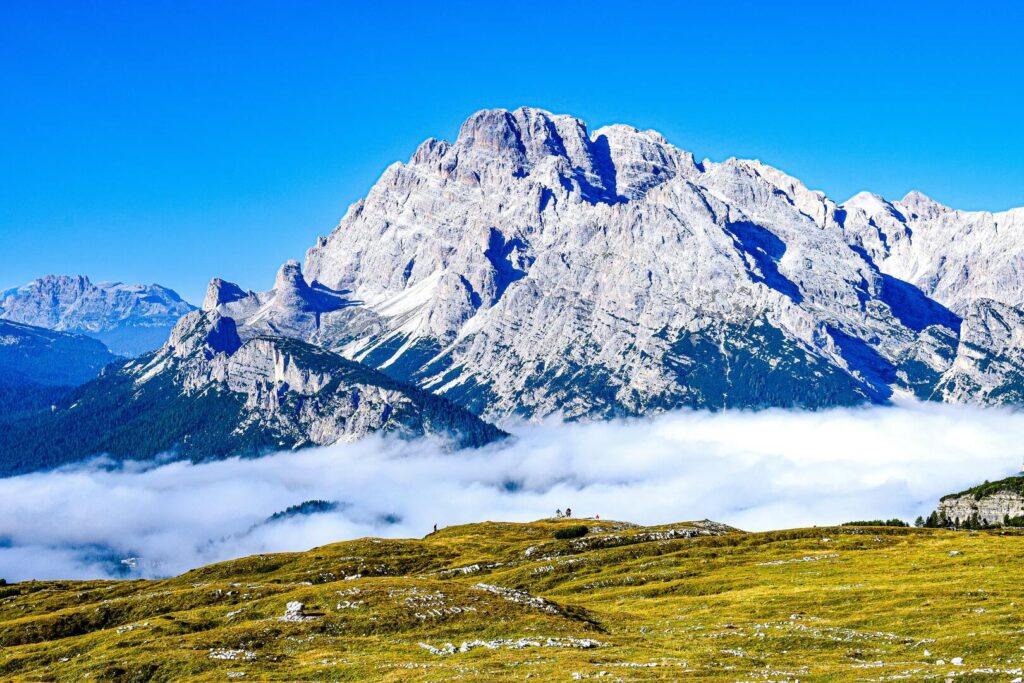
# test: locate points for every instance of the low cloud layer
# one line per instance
(763, 470)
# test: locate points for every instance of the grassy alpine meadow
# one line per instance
(501, 601)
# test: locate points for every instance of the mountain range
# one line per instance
(534, 267)
(58, 332)
(35, 356)
(206, 394)
(38, 366)
(130, 319)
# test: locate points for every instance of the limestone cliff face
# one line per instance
(535, 266)
(989, 509)
(989, 503)
(955, 257)
(989, 364)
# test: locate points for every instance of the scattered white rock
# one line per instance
(522, 597)
(509, 644)
(131, 627)
(223, 653)
(806, 558)
(295, 611)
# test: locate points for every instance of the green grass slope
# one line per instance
(498, 601)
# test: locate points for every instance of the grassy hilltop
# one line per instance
(696, 601)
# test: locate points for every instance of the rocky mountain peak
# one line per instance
(293, 308)
(921, 207)
(560, 152)
(534, 265)
(65, 282)
(289, 277)
(292, 292)
(868, 202)
(220, 292)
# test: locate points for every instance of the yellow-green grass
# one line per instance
(807, 604)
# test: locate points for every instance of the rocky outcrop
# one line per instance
(220, 293)
(989, 504)
(534, 266)
(294, 307)
(129, 319)
(295, 611)
(992, 509)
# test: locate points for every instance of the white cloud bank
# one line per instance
(763, 470)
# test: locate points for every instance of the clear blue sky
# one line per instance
(174, 141)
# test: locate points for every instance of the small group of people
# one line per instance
(568, 513)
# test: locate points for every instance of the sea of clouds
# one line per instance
(755, 470)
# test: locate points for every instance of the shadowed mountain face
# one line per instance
(39, 366)
(129, 319)
(207, 394)
(35, 356)
(533, 266)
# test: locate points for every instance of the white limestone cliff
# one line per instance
(534, 266)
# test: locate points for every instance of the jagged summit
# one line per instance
(292, 291)
(534, 265)
(203, 332)
(221, 292)
(920, 206)
(292, 308)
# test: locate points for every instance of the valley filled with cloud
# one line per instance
(770, 469)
